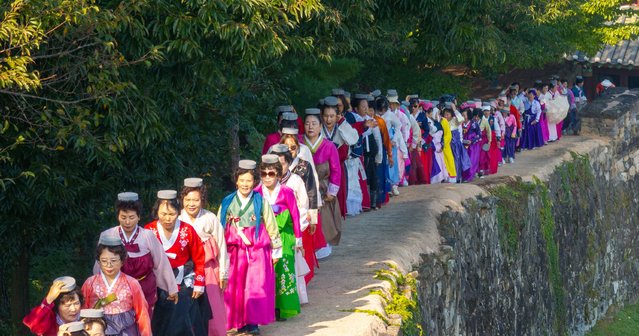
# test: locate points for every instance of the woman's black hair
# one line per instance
(203, 194)
(413, 101)
(287, 124)
(355, 102)
(330, 107)
(174, 203)
(88, 321)
(119, 250)
(477, 112)
(67, 297)
(381, 104)
(312, 115)
(288, 157)
(242, 171)
(347, 106)
(277, 166)
(128, 206)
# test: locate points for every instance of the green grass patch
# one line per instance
(512, 208)
(402, 299)
(623, 323)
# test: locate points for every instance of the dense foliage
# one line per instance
(102, 96)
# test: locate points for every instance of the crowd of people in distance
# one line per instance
(193, 272)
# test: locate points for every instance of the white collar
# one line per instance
(167, 244)
(243, 200)
(128, 239)
(106, 283)
(271, 196)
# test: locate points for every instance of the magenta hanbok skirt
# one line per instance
(250, 295)
(217, 324)
(543, 123)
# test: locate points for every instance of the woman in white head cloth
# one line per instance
(183, 247)
(145, 261)
(303, 166)
(194, 198)
(254, 245)
(296, 183)
(61, 305)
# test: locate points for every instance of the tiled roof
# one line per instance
(625, 53)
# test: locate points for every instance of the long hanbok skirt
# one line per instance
(552, 132)
(449, 161)
(401, 166)
(342, 192)
(188, 317)
(495, 155)
(250, 296)
(440, 173)
(331, 222)
(417, 173)
(427, 160)
(383, 186)
(462, 161)
(286, 297)
(363, 185)
(531, 136)
(393, 172)
(121, 324)
(217, 324)
(355, 194)
(474, 154)
(543, 123)
(484, 157)
(141, 268)
(560, 126)
(308, 242)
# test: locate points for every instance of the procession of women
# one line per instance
(249, 263)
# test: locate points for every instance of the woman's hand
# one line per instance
(312, 228)
(173, 297)
(197, 294)
(390, 161)
(275, 261)
(224, 283)
(329, 198)
(54, 291)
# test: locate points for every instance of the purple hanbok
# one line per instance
(472, 133)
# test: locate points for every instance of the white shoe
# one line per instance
(324, 252)
(405, 183)
(512, 160)
(395, 191)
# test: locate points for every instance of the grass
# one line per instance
(624, 322)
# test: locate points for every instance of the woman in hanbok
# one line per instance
(428, 151)
(449, 159)
(472, 141)
(383, 185)
(510, 135)
(441, 174)
(343, 135)
(531, 135)
(216, 259)
(462, 162)
(284, 115)
(417, 173)
(296, 184)
(495, 151)
(395, 132)
(544, 97)
(61, 305)
(254, 246)
(328, 168)
(487, 139)
(284, 205)
(119, 295)
(182, 245)
(306, 171)
(146, 261)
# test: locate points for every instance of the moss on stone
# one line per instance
(512, 208)
(402, 299)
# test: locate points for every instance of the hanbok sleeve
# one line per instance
(291, 203)
(268, 217)
(87, 292)
(218, 233)
(377, 134)
(536, 109)
(41, 319)
(335, 177)
(198, 258)
(417, 133)
(140, 306)
(348, 133)
(302, 201)
(164, 277)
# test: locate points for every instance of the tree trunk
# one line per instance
(19, 288)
